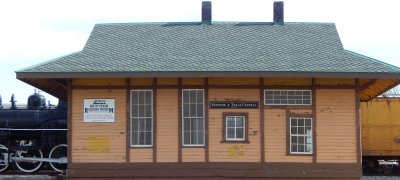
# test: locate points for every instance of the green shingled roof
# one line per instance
(219, 47)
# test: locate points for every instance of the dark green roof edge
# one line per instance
(352, 75)
(46, 62)
(372, 59)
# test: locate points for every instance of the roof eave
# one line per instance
(46, 75)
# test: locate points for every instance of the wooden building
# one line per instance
(214, 99)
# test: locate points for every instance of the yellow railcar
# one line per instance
(380, 127)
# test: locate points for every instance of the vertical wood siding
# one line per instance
(234, 152)
(335, 82)
(141, 81)
(275, 137)
(167, 81)
(167, 125)
(287, 81)
(98, 82)
(336, 127)
(233, 81)
(98, 142)
(380, 127)
(192, 81)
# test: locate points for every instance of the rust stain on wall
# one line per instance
(235, 151)
(99, 144)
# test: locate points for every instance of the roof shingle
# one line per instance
(220, 47)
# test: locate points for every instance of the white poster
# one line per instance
(98, 110)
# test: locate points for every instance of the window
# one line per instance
(141, 118)
(235, 128)
(287, 97)
(300, 135)
(193, 117)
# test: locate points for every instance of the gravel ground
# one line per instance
(45, 177)
(380, 178)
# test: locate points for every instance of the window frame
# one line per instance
(183, 120)
(289, 140)
(225, 115)
(287, 104)
(131, 119)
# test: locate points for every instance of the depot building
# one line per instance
(214, 99)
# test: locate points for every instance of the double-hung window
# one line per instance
(193, 117)
(301, 135)
(141, 118)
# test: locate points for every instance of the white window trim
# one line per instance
(290, 136)
(244, 129)
(130, 121)
(311, 96)
(183, 117)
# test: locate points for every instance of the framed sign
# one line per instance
(98, 110)
(234, 105)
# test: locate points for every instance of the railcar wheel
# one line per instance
(58, 152)
(3, 158)
(29, 167)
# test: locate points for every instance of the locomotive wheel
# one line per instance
(59, 151)
(29, 167)
(3, 158)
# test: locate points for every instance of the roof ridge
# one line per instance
(213, 22)
(372, 59)
(48, 61)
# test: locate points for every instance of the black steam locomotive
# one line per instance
(32, 135)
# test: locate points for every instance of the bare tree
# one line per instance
(392, 92)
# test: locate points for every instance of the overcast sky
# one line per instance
(32, 32)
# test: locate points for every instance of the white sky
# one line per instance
(35, 31)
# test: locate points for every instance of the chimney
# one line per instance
(278, 12)
(206, 12)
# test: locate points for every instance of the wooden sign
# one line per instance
(234, 105)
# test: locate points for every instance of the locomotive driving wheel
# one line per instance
(3, 158)
(32, 166)
(58, 152)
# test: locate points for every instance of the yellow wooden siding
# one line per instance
(275, 137)
(98, 142)
(167, 125)
(234, 152)
(287, 81)
(193, 155)
(380, 119)
(99, 82)
(192, 81)
(141, 155)
(167, 81)
(233, 81)
(334, 82)
(336, 126)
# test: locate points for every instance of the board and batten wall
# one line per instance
(106, 142)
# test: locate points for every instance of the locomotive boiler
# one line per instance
(33, 135)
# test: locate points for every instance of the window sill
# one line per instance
(236, 142)
(289, 154)
(194, 146)
(288, 106)
(141, 147)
